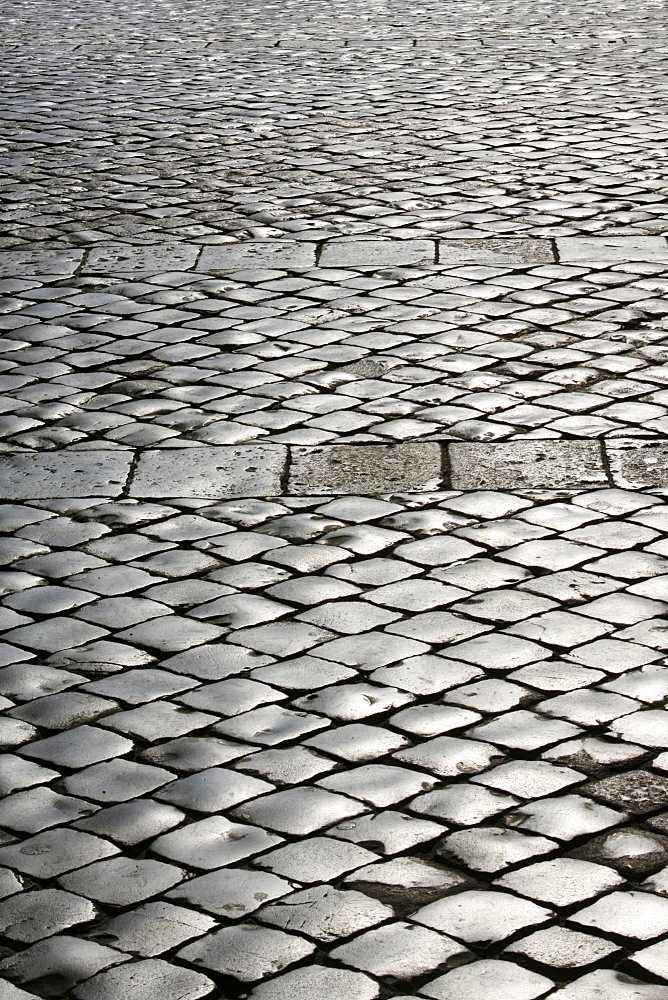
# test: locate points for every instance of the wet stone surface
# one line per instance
(333, 476)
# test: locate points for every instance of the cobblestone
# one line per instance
(332, 493)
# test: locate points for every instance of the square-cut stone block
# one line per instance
(361, 469)
(63, 474)
(611, 249)
(638, 467)
(526, 465)
(18, 262)
(496, 251)
(210, 473)
(279, 254)
(381, 253)
(121, 258)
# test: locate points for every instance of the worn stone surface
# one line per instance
(333, 530)
(383, 469)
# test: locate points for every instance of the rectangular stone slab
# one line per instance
(210, 472)
(495, 251)
(64, 474)
(526, 465)
(18, 262)
(280, 254)
(365, 468)
(638, 467)
(380, 253)
(121, 258)
(611, 249)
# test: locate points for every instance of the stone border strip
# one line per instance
(271, 470)
(296, 255)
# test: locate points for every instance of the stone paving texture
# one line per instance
(333, 472)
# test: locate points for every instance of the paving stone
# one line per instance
(377, 252)
(230, 893)
(247, 952)
(400, 950)
(639, 467)
(150, 979)
(318, 859)
(365, 469)
(298, 811)
(116, 781)
(324, 913)
(56, 965)
(154, 928)
(37, 809)
(257, 255)
(327, 983)
(213, 790)
(487, 979)
(561, 948)
(626, 914)
(565, 817)
(132, 822)
(481, 916)
(616, 985)
(118, 257)
(561, 882)
(31, 916)
(492, 849)
(447, 756)
(525, 465)
(221, 472)
(53, 853)
(122, 881)
(213, 843)
(28, 477)
(610, 249)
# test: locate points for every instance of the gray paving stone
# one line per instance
(326, 983)
(24, 262)
(526, 465)
(495, 251)
(639, 467)
(213, 842)
(247, 952)
(616, 985)
(55, 852)
(488, 979)
(324, 913)
(213, 473)
(122, 881)
(154, 928)
(231, 893)
(147, 980)
(379, 253)
(31, 916)
(401, 950)
(562, 881)
(213, 790)
(132, 822)
(136, 260)
(611, 249)
(318, 859)
(257, 254)
(481, 916)
(298, 811)
(365, 468)
(58, 964)
(64, 474)
(561, 948)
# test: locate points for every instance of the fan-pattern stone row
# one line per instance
(315, 355)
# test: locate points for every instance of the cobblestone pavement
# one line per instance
(334, 464)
